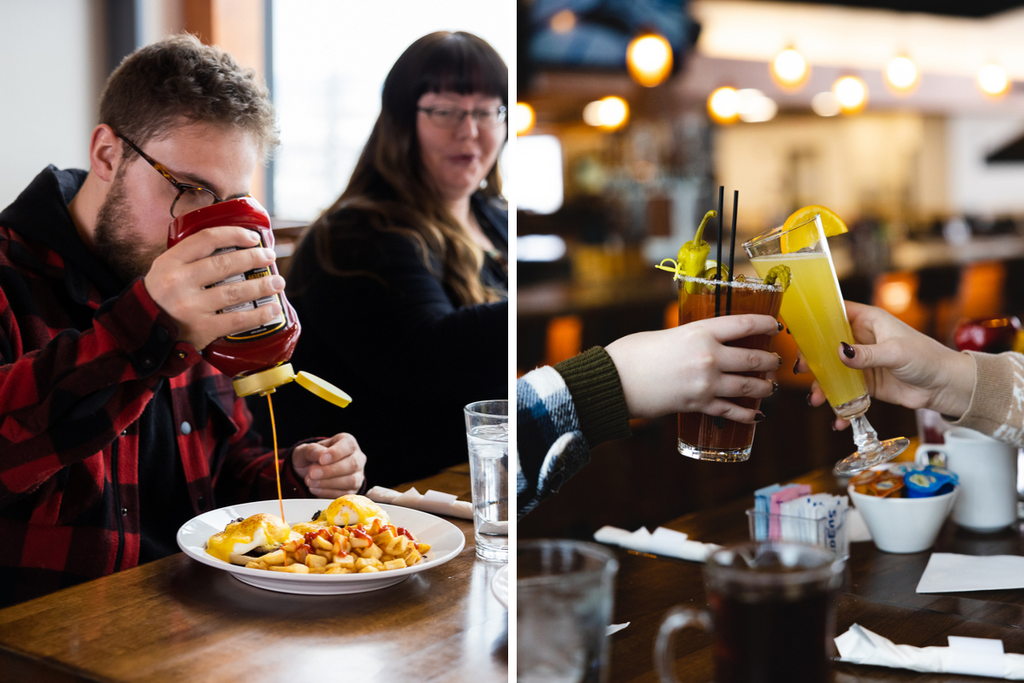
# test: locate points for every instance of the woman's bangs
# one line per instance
(465, 69)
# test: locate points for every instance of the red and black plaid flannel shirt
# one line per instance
(77, 368)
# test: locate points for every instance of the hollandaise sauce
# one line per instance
(277, 464)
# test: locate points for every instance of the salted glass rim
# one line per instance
(751, 283)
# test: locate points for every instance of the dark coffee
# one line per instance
(772, 638)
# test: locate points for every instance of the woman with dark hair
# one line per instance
(401, 285)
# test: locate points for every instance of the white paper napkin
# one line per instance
(434, 502)
(949, 573)
(662, 542)
(974, 656)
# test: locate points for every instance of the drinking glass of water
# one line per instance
(487, 434)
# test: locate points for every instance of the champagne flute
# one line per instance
(814, 313)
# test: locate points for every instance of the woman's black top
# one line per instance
(394, 340)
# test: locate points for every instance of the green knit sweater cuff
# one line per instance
(597, 394)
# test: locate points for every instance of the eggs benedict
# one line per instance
(243, 540)
(353, 509)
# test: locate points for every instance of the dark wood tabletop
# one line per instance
(178, 620)
(878, 593)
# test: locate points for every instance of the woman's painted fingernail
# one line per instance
(760, 416)
(848, 350)
(780, 361)
(780, 327)
(796, 365)
(809, 400)
(775, 386)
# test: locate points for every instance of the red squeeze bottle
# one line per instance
(257, 359)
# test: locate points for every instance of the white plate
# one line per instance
(446, 541)
(499, 586)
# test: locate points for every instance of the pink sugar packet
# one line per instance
(778, 498)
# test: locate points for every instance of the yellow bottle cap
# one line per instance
(265, 381)
(323, 389)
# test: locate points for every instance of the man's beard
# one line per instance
(116, 242)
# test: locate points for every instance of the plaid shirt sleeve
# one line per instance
(66, 393)
(550, 446)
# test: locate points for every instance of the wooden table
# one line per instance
(878, 593)
(178, 620)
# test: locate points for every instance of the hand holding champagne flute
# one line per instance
(813, 311)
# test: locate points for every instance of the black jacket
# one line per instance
(395, 341)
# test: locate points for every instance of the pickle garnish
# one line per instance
(779, 274)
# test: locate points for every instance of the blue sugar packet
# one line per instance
(762, 506)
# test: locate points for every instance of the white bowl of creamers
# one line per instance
(903, 525)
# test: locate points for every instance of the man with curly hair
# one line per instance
(113, 432)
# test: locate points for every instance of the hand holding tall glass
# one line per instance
(814, 313)
(701, 436)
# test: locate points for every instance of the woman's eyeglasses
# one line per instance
(452, 117)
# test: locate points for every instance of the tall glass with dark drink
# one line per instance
(771, 612)
(701, 436)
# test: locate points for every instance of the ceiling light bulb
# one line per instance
(525, 118)
(563, 22)
(610, 113)
(993, 80)
(826, 104)
(852, 94)
(789, 68)
(753, 106)
(649, 59)
(901, 73)
(723, 105)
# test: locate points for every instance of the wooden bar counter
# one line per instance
(878, 593)
(178, 620)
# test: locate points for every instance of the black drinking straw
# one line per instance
(719, 421)
(732, 251)
(718, 264)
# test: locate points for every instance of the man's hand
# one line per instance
(179, 279)
(332, 467)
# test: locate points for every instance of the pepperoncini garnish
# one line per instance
(692, 259)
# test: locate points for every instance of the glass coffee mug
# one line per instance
(564, 596)
(771, 613)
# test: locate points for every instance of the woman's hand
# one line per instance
(686, 369)
(901, 365)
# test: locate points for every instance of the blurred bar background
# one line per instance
(617, 160)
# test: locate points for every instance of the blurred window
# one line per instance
(539, 173)
(330, 59)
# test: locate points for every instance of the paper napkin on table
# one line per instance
(662, 542)
(974, 656)
(949, 573)
(434, 502)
